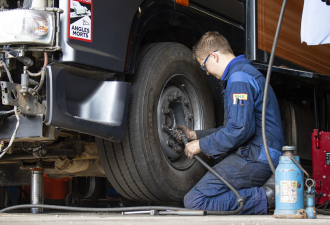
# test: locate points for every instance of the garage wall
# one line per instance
(316, 58)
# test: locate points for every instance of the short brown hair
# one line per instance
(210, 42)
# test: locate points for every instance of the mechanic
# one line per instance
(245, 164)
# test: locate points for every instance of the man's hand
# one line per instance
(190, 134)
(192, 148)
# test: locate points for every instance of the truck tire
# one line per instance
(169, 89)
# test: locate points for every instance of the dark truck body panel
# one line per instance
(111, 23)
(231, 9)
(118, 29)
(79, 104)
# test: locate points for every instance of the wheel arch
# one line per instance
(142, 33)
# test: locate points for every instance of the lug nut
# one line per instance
(190, 116)
(165, 110)
(177, 149)
(169, 142)
(186, 102)
(165, 128)
(170, 98)
(178, 94)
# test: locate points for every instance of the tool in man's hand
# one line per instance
(182, 137)
(240, 200)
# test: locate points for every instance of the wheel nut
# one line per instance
(190, 116)
(170, 98)
(177, 149)
(169, 142)
(178, 94)
(186, 102)
(165, 128)
(165, 110)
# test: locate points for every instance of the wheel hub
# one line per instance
(175, 110)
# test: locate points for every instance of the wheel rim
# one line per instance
(179, 104)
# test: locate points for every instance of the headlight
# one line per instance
(24, 26)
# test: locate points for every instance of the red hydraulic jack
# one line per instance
(321, 165)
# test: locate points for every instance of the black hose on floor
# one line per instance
(320, 211)
(120, 209)
(82, 209)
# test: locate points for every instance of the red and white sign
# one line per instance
(80, 20)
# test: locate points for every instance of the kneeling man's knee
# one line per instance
(194, 199)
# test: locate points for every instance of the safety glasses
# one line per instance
(203, 65)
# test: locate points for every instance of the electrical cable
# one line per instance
(322, 204)
(16, 114)
(318, 198)
(45, 64)
(326, 205)
(7, 71)
(42, 79)
(2, 113)
(42, 72)
(14, 134)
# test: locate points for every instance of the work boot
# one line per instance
(269, 187)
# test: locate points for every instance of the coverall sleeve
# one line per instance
(241, 121)
(203, 133)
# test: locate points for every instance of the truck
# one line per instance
(94, 88)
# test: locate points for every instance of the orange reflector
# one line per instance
(183, 2)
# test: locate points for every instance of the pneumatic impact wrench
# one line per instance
(240, 200)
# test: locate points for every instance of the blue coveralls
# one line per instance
(246, 166)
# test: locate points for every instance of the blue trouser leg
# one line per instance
(247, 177)
(256, 202)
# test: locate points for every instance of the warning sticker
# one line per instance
(80, 20)
(288, 191)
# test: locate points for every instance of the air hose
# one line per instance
(83, 209)
(240, 200)
(269, 71)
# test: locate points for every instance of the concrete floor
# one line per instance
(118, 219)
